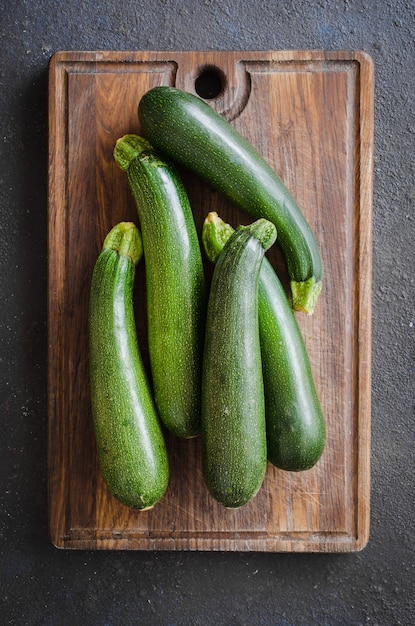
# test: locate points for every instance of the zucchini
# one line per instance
(234, 455)
(189, 131)
(130, 444)
(175, 283)
(295, 424)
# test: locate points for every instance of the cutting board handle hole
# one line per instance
(210, 82)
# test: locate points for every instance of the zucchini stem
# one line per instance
(305, 294)
(128, 148)
(125, 238)
(215, 234)
(263, 230)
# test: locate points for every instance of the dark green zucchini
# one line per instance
(130, 444)
(187, 129)
(175, 283)
(295, 424)
(234, 454)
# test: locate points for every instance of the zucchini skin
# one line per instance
(130, 444)
(234, 455)
(175, 283)
(189, 131)
(296, 431)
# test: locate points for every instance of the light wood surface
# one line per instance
(311, 116)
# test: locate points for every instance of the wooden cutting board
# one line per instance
(311, 116)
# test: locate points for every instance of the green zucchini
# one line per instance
(234, 455)
(130, 444)
(189, 131)
(175, 283)
(295, 424)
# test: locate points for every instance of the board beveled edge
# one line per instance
(366, 94)
(87, 539)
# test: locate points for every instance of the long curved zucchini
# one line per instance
(175, 283)
(295, 424)
(234, 454)
(188, 130)
(130, 444)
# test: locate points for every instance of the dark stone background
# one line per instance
(43, 586)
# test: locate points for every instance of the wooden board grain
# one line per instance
(311, 116)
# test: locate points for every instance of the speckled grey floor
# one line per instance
(43, 586)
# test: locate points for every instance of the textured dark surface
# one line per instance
(41, 585)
